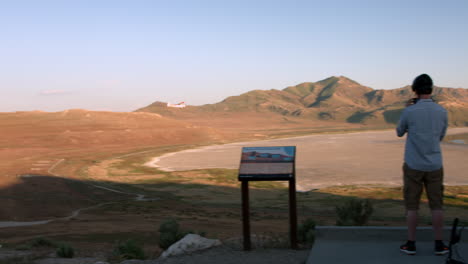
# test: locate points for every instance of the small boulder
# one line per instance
(190, 243)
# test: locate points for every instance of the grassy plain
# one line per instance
(220, 188)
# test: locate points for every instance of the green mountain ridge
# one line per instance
(335, 98)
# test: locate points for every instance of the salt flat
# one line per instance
(373, 157)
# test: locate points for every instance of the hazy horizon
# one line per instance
(57, 93)
(120, 56)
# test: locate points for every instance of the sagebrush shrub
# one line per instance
(169, 226)
(42, 242)
(65, 251)
(306, 232)
(354, 211)
(169, 233)
(129, 250)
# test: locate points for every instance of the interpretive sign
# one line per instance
(268, 164)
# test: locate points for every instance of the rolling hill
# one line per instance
(337, 99)
(33, 143)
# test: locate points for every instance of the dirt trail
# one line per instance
(75, 213)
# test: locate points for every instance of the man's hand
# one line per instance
(411, 101)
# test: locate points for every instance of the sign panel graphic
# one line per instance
(267, 163)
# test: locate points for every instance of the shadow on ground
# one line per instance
(210, 208)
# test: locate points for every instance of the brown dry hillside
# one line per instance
(31, 143)
(335, 100)
(28, 136)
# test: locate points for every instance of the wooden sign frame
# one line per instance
(284, 170)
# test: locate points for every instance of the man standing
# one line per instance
(426, 124)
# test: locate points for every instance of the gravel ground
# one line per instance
(226, 255)
(222, 254)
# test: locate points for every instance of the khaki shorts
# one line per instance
(414, 180)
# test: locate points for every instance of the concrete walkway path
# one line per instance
(375, 245)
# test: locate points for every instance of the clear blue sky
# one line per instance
(122, 55)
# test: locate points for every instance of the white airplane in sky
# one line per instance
(179, 105)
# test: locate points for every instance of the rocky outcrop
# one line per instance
(189, 244)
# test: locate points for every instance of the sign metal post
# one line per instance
(268, 164)
(246, 215)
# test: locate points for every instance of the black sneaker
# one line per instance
(409, 248)
(440, 248)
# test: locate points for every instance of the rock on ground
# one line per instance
(189, 244)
